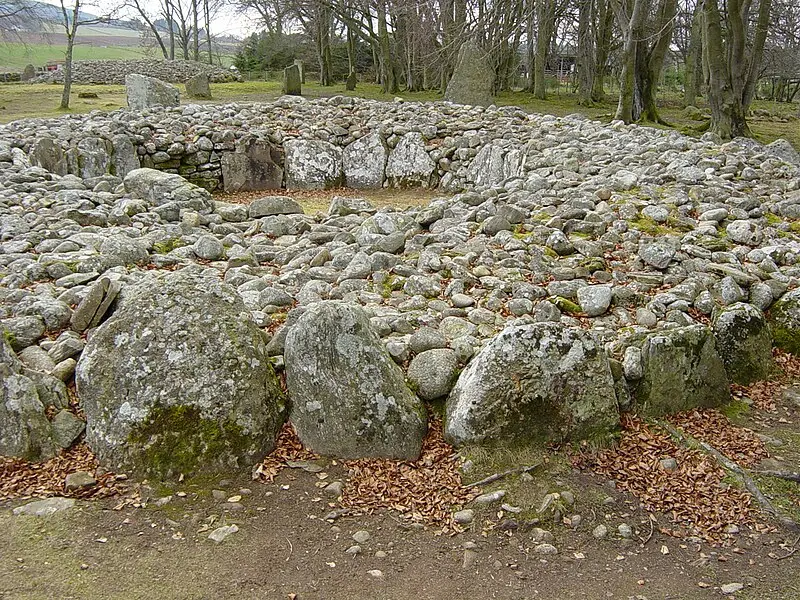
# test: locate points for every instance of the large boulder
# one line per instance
(48, 154)
(256, 165)
(409, 165)
(160, 188)
(539, 383)
(94, 157)
(198, 87)
(349, 399)
(365, 162)
(472, 78)
(494, 164)
(681, 370)
(784, 322)
(143, 92)
(178, 380)
(313, 165)
(25, 431)
(292, 81)
(744, 343)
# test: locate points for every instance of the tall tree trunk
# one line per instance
(733, 68)
(690, 75)
(388, 79)
(605, 25)
(648, 75)
(545, 16)
(207, 14)
(70, 28)
(586, 52)
(195, 31)
(631, 27)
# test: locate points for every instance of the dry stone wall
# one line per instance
(111, 72)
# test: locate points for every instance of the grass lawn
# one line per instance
(19, 100)
(14, 56)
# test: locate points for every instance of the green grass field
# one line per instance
(14, 57)
(20, 100)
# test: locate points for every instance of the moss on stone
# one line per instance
(566, 306)
(168, 246)
(178, 440)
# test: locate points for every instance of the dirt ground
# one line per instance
(285, 550)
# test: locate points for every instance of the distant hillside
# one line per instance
(37, 11)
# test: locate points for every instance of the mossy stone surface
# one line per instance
(744, 342)
(784, 322)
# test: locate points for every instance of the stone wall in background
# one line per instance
(114, 71)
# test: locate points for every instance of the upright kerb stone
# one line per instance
(198, 87)
(144, 92)
(291, 81)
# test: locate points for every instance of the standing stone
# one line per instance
(744, 343)
(28, 73)
(365, 162)
(352, 80)
(291, 81)
(25, 431)
(123, 158)
(681, 370)
(94, 157)
(143, 92)
(537, 383)
(472, 78)
(178, 380)
(198, 87)
(313, 165)
(349, 399)
(784, 321)
(409, 165)
(48, 154)
(256, 165)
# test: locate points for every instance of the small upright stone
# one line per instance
(144, 92)
(472, 78)
(352, 80)
(198, 87)
(291, 81)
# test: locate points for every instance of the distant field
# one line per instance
(20, 100)
(14, 56)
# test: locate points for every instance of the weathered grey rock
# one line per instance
(657, 254)
(78, 481)
(161, 188)
(783, 150)
(46, 507)
(178, 380)
(533, 383)
(681, 370)
(409, 165)
(95, 304)
(208, 247)
(744, 232)
(352, 81)
(594, 300)
(364, 162)
(472, 78)
(120, 250)
(344, 205)
(24, 429)
(23, 331)
(433, 373)
(744, 343)
(256, 164)
(292, 81)
(94, 157)
(784, 322)
(142, 91)
(274, 205)
(494, 164)
(312, 165)
(47, 153)
(67, 428)
(123, 156)
(28, 73)
(199, 87)
(349, 399)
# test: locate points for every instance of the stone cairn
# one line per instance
(543, 291)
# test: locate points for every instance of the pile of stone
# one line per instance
(581, 269)
(110, 72)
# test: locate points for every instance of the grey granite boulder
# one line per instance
(744, 343)
(536, 383)
(365, 162)
(473, 77)
(313, 165)
(178, 381)
(349, 399)
(292, 81)
(784, 322)
(198, 87)
(143, 92)
(25, 431)
(409, 165)
(257, 164)
(161, 188)
(433, 373)
(681, 369)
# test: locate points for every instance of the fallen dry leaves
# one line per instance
(739, 444)
(20, 479)
(423, 491)
(693, 495)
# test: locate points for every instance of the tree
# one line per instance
(733, 54)
(72, 18)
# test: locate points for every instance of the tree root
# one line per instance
(787, 475)
(732, 467)
(496, 476)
